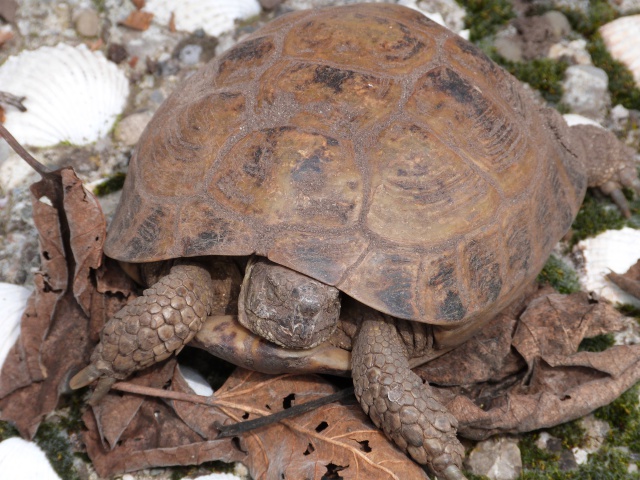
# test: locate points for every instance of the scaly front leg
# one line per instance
(149, 329)
(399, 402)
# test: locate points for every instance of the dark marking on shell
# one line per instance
(449, 82)
(451, 308)
(484, 272)
(247, 51)
(332, 77)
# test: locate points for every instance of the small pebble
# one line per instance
(88, 23)
(130, 128)
(560, 26)
(117, 53)
(586, 91)
(190, 54)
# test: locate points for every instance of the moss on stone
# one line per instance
(543, 74)
(7, 431)
(112, 184)
(629, 310)
(484, 17)
(622, 414)
(52, 440)
(587, 24)
(572, 434)
(559, 275)
(595, 216)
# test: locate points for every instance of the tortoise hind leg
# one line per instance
(398, 402)
(150, 328)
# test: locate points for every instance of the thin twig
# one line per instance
(241, 427)
(19, 149)
(13, 100)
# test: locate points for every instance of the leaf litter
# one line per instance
(523, 372)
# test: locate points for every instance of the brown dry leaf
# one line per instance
(559, 384)
(333, 438)
(138, 20)
(139, 4)
(5, 36)
(54, 340)
(8, 9)
(630, 281)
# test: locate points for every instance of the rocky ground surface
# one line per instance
(551, 45)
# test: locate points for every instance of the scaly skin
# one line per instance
(398, 402)
(151, 328)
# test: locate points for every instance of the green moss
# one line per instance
(100, 5)
(58, 450)
(534, 458)
(484, 17)
(595, 216)
(7, 431)
(608, 464)
(111, 184)
(622, 414)
(571, 433)
(559, 275)
(543, 74)
(599, 343)
(599, 13)
(629, 310)
(473, 476)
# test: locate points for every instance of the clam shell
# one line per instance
(613, 250)
(213, 16)
(72, 95)
(13, 301)
(23, 460)
(622, 38)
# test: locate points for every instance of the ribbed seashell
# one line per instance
(622, 38)
(23, 460)
(13, 301)
(611, 251)
(214, 17)
(72, 95)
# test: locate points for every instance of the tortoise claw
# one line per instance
(620, 200)
(84, 377)
(452, 472)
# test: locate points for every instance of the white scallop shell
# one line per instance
(622, 38)
(213, 16)
(23, 460)
(72, 95)
(13, 301)
(613, 250)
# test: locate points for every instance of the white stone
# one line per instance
(498, 458)
(573, 50)
(213, 17)
(129, 129)
(586, 91)
(581, 455)
(23, 460)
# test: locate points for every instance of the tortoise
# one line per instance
(361, 153)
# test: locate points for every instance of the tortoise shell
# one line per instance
(366, 147)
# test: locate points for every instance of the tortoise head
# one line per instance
(287, 307)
